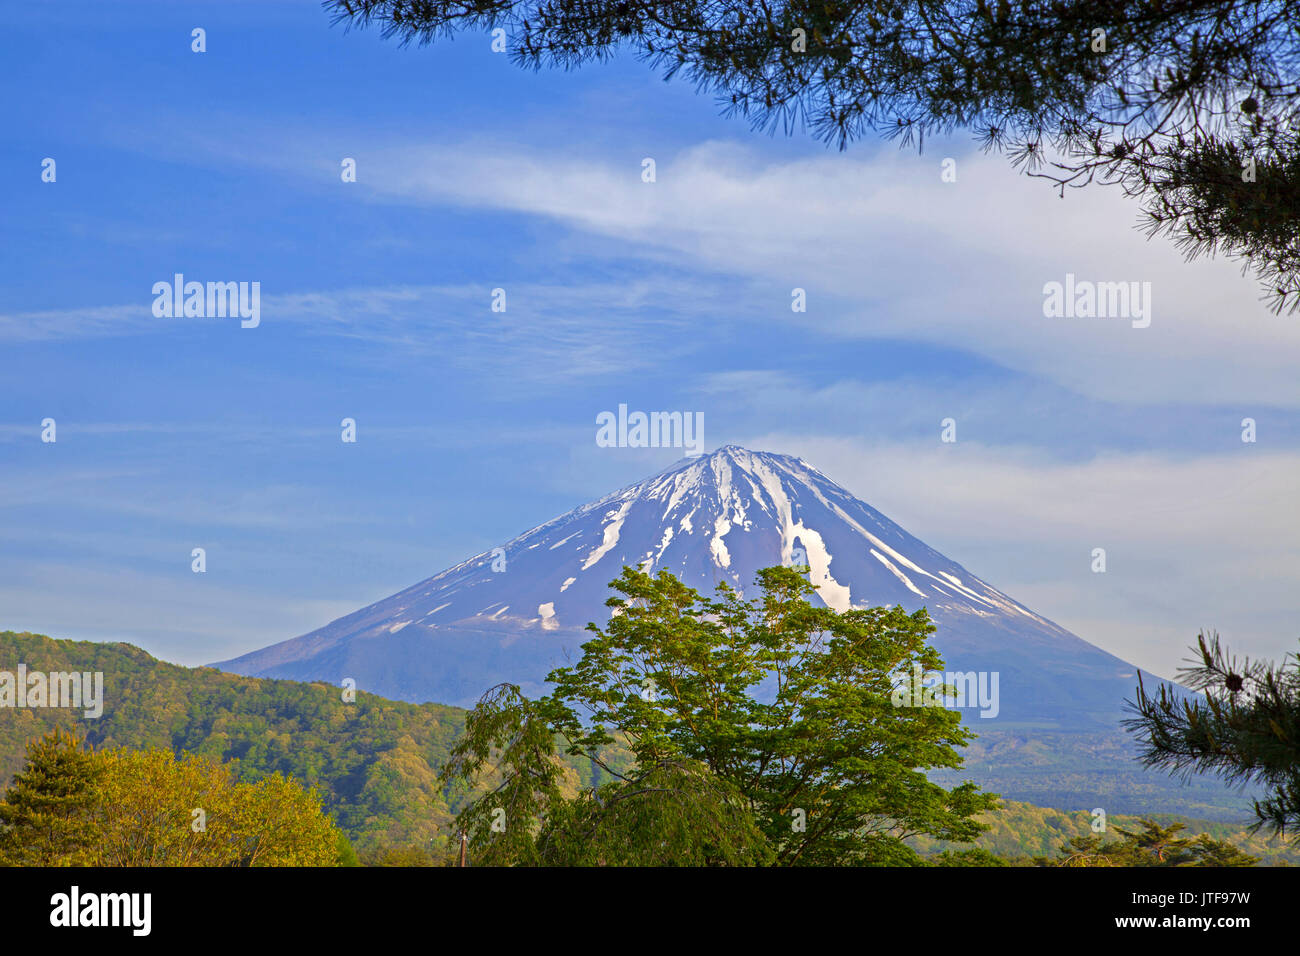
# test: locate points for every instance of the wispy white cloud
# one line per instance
(88, 322)
(547, 334)
(884, 248)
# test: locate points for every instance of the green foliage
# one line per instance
(505, 727)
(1246, 728)
(46, 817)
(973, 856)
(375, 767)
(344, 854)
(671, 813)
(403, 856)
(277, 822)
(769, 717)
(663, 813)
(120, 807)
(1210, 852)
(156, 809)
(144, 808)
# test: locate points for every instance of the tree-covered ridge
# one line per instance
(373, 761)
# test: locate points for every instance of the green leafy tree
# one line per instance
(768, 717)
(506, 738)
(344, 853)
(46, 816)
(680, 812)
(1245, 728)
(278, 822)
(155, 809)
(528, 812)
(1189, 105)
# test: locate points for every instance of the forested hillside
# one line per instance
(374, 761)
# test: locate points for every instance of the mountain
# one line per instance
(706, 519)
(513, 613)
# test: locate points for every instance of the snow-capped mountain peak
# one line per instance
(515, 611)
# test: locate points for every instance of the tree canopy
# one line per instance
(760, 731)
(71, 806)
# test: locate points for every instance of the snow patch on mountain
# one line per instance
(547, 611)
(897, 573)
(610, 534)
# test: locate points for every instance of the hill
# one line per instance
(373, 761)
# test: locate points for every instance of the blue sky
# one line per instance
(924, 302)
